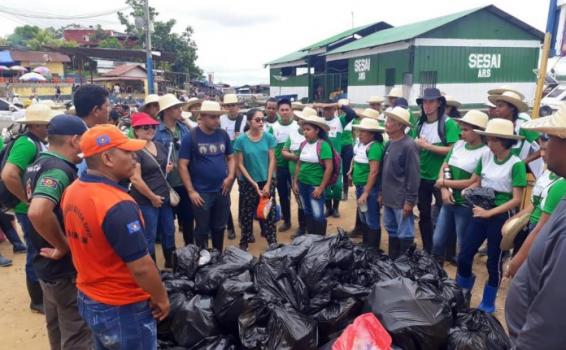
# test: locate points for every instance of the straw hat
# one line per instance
(37, 114)
(511, 228)
(451, 101)
(230, 99)
(368, 113)
(554, 124)
(376, 99)
(343, 102)
(395, 92)
(489, 105)
(510, 97)
(500, 90)
(316, 120)
(151, 98)
(167, 101)
(192, 101)
(297, 106)
(400, 114)
(498, 127)
(210, 107)
(306, 112)
(369, 124)
(474, 118)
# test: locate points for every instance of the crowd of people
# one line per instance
(93, 200)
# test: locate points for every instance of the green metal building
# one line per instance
(463, 54)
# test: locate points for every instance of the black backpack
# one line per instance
(7, 199)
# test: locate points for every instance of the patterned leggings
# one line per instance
(249, 202)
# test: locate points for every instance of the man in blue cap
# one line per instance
(44, 183)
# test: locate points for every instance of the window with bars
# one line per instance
(427, 80)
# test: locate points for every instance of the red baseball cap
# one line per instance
(141, 119)
(104, 137)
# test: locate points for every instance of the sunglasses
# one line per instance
(259, 120)
(147, 127)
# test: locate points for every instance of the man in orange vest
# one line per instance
(120, 290)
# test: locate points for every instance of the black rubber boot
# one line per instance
(311, 226)
(373, 238)
(218, 240)
(188, 231)
(358, 228)
(36, 296)
(394, 247)
(321, 228)
(168, 256)
(405, 245)
(230, 229)
(302, 224)
(201, 241)
(335, 208)
(328, 205)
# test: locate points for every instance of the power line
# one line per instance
(43, 15)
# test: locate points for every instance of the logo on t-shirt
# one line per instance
(134, 227)
(211, 149)
(49, 182)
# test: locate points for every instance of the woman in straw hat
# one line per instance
(255, 158)
(510, 105)
(506, 174)
(535, 306)
(368, 153)
(452, 106)
(291, 151)
(150, 189)
(193, 104)
(455, 174)
(313, 172)
(150, 105)
(547, 192)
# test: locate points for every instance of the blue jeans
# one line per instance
(314, 208)
(371, 218)
(452, 218)
(31, 251)
(119, 327)
(398, 226)
(283, 184)
(478, 231)
(162, 220)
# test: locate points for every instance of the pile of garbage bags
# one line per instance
(304, 295)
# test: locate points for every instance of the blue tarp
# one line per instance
(6, 58)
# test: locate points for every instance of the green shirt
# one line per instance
(53, 182)
(311, 171)
(430, 161)
(293, 144)
(281, 132)
(22, 154)
(554, 196)
(502, 175)
(362, 157)
(542, 184)
(255, 154)
(335, 133)
(347, 138)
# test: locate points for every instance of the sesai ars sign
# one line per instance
(484, 63)
(361, 66)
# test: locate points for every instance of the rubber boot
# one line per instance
(335, 208)
(373, 238)
(328, 205)
(394, 247)
(405, 244)
(467, 284)
(230, 229)
(365, 235)
(218, 240)
(321, 227)
(36, 296)
(188, 232)
(358, 228)
(168, 256)
(302, 224)
(488, 300)
(201, 241)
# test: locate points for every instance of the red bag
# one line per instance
(263, 208)
(366, 333)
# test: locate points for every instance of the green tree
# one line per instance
(164, 39)
(109, 43)
(44, 38)
(22, 35)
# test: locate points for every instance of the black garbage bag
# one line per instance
(193, 321)
(252, 324)
(277, 282)
(233, 262)
(215, 343)
(307, 240)
(447, 290)
(290, 330)
(415, 318)
(315, 262)
(415, 264)
(176, 300)
(483, 197)
(186, 260)
(232, 299)
(477, 330)
(342, 251)
(294, 252)
(342, 291)
(168, 345)
(336, 316)
(179, 285)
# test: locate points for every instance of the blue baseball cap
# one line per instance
(66, 125)
(401, 102)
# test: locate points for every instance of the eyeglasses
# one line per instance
(146, 127)
(259, 120)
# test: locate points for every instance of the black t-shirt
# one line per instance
(151, 174)
(50, 270)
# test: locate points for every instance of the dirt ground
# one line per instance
(22, 329)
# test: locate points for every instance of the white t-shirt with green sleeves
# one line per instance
(463, 160)
(502, 175)
(311, 171)
(335, 133)
(430, 161)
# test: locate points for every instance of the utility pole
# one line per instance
(149, 58)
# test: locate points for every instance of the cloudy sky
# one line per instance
(235, 38)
